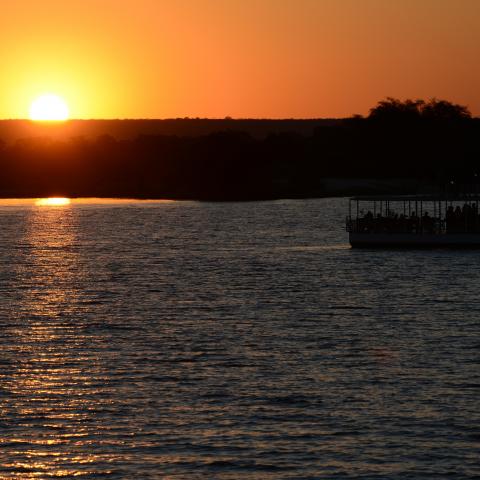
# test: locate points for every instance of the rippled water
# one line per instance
(231, 341)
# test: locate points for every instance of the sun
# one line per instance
(49, 107)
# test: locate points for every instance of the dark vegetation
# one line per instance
(400, 143)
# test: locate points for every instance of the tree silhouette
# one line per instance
(408, 111)
(433, 141)
(443, 110)
(394, 110)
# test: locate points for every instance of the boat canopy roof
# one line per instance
(465, 197)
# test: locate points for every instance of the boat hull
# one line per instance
(414, 240)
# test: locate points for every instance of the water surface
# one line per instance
(230, 340)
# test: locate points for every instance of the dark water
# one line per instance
(231, 341)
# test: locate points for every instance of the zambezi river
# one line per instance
(195, 340)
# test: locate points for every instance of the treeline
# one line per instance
(432, 142)
(128, 129)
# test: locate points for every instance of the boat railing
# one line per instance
(414, 215)
(394, 225)
(435, 226)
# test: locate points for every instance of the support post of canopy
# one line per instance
(476, 212)
(440, 215)
(421, 216)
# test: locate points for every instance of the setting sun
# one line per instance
(49, 107)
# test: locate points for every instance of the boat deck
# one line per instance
(414, 222)
(413, 240)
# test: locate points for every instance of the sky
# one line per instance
(238, 58)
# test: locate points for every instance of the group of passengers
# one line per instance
(395, 223)
(457, 220)
(463, 219)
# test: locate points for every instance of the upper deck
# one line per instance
(414, 214)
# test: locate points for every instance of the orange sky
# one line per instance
(242, 58)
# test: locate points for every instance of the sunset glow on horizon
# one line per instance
(53, 202)
(238, 58)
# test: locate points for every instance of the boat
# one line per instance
(414, 221)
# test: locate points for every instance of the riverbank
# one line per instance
(326, 187)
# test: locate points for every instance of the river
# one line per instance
(189, 340)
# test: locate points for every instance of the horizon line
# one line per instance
(173, 118)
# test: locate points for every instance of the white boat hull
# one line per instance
(414, 240)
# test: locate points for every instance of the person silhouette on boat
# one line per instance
(427, 223)
(414, 222)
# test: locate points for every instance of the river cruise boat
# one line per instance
(414, 221)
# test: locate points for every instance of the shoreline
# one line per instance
(332, 187)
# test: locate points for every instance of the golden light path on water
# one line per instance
(53, 202)
(61, 385)
(54, 399)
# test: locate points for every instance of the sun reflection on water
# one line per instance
(52, 202)
(48, 391)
